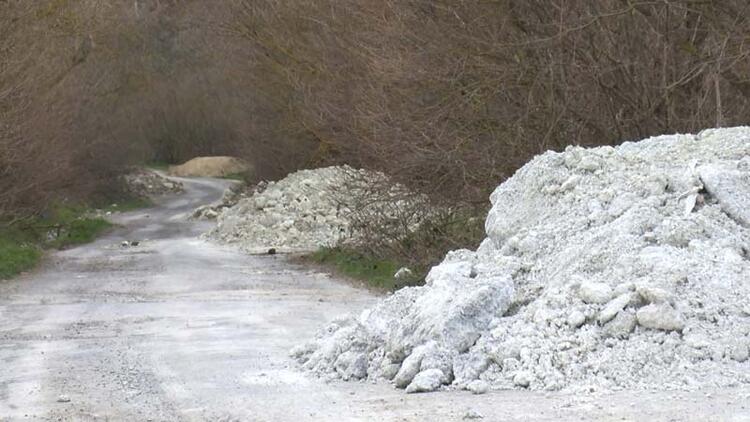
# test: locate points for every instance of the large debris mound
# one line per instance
(219, 166)
(308, 209)
(603, 268)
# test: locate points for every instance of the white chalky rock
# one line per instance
(594, 292)
(613, 307)
(478, 387)
(621, 326)
(469, 366)
(472, 414)
(623, 288)
(576, 319)
(351, 365)
(654, 294)
(523, 379)
(661, 316)
(402, 273)
(589, 163)
(739, 350)
(426, 381)
(731, 188)
(409, 367)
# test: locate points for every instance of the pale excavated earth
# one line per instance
(178, 329)
(210, 167)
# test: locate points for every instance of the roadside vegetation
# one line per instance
(128, 204)
(377, 273)
(17, 253)
(158, 165)
(22, 242)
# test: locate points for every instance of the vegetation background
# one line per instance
(446, 96)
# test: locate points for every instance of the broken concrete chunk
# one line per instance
(623, 288)
(469, 366)
(472, 414)
(654, 294)
(426, 381)
(409, 369)
(660, 316)
(731, 188)
(591, 292)
(570, 184)
(739, 350)
(403, 273)
(523, 378)
(613, 307)
(690, 203)
(589, 163)
(389, 370)
(576, 319)
(351, 365)
(621, 326)
(697, 340)
(478, 387)
(440, 360)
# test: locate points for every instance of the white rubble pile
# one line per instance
(145, 182)
(303, 211)
(603, 268)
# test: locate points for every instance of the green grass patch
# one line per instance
(16, 255)
(236, 176)
(159, 165)
(67, 225)
(22, 243)
(79, 231)
(377, 273)
(64, 225)
(129, 204)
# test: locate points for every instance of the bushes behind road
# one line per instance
(451, 97)
(447, 97)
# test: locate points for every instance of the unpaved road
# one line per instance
(177, 329)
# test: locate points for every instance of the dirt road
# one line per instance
(178, 329)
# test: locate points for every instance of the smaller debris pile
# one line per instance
(142, 182)
(310, 209)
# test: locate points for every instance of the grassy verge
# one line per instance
(78, 232)
(22, 243)
(236, 176)
(129, 204)
(376, 273)
(16, 255)
(159, 165)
